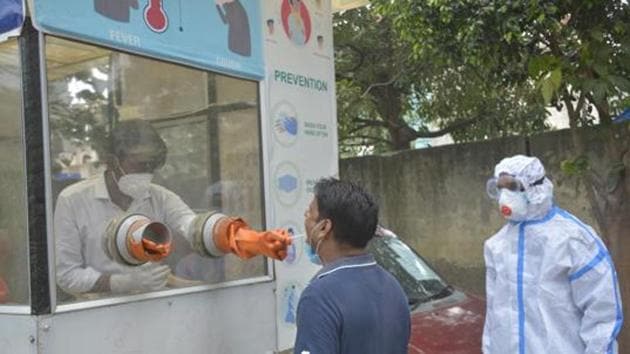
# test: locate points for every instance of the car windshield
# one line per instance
(418, 280)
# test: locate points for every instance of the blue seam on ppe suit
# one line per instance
(596, 260)
(521, 304)
(619, 319)
(520, 269)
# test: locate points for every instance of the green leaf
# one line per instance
(601, 69)
(575, 167)
(556, 78)
(621, 83)
(547, 91)
(600, 90)
(541, 64)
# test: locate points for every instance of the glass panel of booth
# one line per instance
(14, 276)
(117, 121)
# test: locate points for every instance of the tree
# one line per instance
(79, 118)
(576, 53)
(388, 96)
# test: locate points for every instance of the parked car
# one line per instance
(444, 320)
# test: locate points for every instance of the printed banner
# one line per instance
(300, 117)
(11, 18)
(218, 35)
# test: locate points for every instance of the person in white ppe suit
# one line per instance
(551, 283)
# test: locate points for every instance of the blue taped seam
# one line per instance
(520, 269)
(592, 264)
(619, 317)
(521, 304)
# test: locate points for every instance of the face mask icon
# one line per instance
(287, 183)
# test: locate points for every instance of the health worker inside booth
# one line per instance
(156, 174)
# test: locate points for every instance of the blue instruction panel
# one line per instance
(218, 35)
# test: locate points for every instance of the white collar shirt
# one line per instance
(81, 216)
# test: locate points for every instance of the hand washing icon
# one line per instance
(287, 124)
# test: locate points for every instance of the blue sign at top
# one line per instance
(219, 35)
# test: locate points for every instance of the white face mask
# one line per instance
(513, 205)
(135, 185)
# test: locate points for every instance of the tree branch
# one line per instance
(378, 84)
(373, 139)
(366, 123)
(359, 53)
(449, 129)
(372, 122)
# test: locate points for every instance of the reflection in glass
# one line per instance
(13, 233)
(135, 135)
(417, 279)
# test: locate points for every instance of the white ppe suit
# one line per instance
(551, 285)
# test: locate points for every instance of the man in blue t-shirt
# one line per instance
(352, 305)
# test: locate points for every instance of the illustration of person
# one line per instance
(292, 250)
(289, 316)
(233, 14)
(117, 10)
(270, 28)
(297, 30)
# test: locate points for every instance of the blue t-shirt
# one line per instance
(353, 306)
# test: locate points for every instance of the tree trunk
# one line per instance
(390, 108)
(618, 231)
(619, 235)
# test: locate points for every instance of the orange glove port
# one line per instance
(154, 245)
(234, 235)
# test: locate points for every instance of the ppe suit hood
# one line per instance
(529, 171)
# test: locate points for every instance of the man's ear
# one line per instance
(327, 226)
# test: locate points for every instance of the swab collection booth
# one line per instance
(227, 106)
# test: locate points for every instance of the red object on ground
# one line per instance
(453, 325)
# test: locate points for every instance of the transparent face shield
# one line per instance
(504, 181)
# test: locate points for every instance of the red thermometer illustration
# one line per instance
(155, 16)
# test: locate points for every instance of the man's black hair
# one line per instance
(130, 136)
(353, 211)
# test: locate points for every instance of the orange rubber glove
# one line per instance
(234, 235)
(155, 241)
